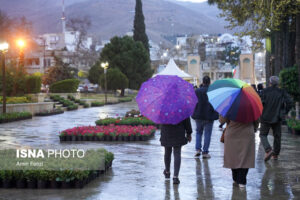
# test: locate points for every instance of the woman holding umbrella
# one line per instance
(239, 149)
(239, 106)
(173, 137)
(169, 101)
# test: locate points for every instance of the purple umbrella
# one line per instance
(166, 99)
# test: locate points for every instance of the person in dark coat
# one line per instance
(204, 115)
(260, 88)
(276, 103)
(173, 137)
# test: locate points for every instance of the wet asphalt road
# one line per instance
(137, 168)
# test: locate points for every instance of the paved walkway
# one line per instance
(137, 168)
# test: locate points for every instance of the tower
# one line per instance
(63, 18)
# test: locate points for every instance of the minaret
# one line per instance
(63, 18)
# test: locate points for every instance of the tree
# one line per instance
(139, 28)
(130, 57)
(5, 26)
(81, 26)
(275, 20)
(59, 72)
(232, 54)
(95, 72)
(115, 80)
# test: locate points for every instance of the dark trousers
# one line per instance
(177, 159)
(240, 175)
(264, 131)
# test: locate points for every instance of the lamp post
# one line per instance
(21, 44)
(165, 54)
(105, 66)
(3, 49)
(177, 51)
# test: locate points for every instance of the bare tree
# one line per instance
(80, 26)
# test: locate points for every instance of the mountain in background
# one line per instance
(115, 17)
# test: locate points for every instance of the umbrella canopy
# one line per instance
(166, 99)
(235, 100)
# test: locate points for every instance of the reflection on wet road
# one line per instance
(137, 169)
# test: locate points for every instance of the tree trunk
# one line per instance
(297, 47)
(292, 42)
(122, 92)
(278, 51)
(268, 67)
(285, 47)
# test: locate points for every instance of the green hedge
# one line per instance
(97, 104)
(294, 124)
(33, 84)
(11, 117)
(65, 86)
(289, 81)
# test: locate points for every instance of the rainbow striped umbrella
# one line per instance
(235, 100)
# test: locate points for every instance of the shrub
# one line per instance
(86, 105)
(125, 99)
(33, 84)
(289, 81)
(97, 104)
(16, 100)
(72, 107)
(10, 117)
(294, 124)
(65, 86)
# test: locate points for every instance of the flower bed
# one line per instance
(11, 117)
(134, 121)
(294, 125)
(108, 133)
(51, 112)
(69, 174)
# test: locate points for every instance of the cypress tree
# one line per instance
(139, 28)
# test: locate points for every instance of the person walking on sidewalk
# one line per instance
(173, 137)
(204, 115)
(276, 104)
(239, 149)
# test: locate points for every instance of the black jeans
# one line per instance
(264, 131)
(177, 159)
(240, 175)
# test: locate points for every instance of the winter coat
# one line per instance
(276, 104)
(239, 144)
(204, 110)
(175, 135)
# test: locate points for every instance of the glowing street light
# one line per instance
(3, 49)
(21, 44)
(104, 65)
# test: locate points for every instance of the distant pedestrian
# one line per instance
(260, 88)
(204, 115)
(173, 137)
(254, 87)
(239, 149)
(276, 104)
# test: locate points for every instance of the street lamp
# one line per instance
(21, 44)
(3, 49)
(105, 66)
(165, 54)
